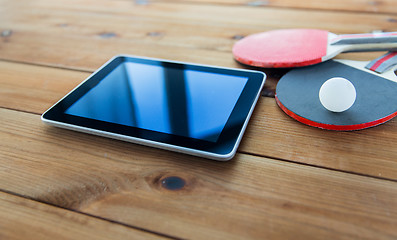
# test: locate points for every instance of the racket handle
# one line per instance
(383, 63)
(366, 38)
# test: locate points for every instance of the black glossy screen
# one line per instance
(176, 101)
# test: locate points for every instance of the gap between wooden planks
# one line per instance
(21, 218)
(248, 197)
(270, 132)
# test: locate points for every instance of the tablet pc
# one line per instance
(194, 109)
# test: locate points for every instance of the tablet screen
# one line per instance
(176, 101)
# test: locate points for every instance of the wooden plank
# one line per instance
(35, 88)
(248, 197)
(382, 6)
(21, 218)
(67, 33)
(270, 132)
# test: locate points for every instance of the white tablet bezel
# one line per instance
(157, 144)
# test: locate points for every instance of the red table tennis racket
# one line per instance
(301, 47)
(297, 93)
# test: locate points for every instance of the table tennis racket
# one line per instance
(301, 47)
(297, 93)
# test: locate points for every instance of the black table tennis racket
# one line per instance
(297, 93)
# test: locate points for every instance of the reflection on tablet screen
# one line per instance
(176, 101)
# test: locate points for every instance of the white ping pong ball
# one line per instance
(337, 94)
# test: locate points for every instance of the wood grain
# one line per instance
(35, 88)
(270, 132)
(68, 33)
(288, 181)
(378, 6)
(21, 218)
(248, 197)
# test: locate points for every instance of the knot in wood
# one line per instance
(107, 35)
(6, 33)
(155, 34)
(237, 37)
(173, 183)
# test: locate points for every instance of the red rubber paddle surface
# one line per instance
(282, 48)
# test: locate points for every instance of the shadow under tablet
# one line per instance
(297, 94)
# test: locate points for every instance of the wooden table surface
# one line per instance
(287, 181)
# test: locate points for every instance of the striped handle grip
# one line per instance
(367, 38)
(383, 63)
